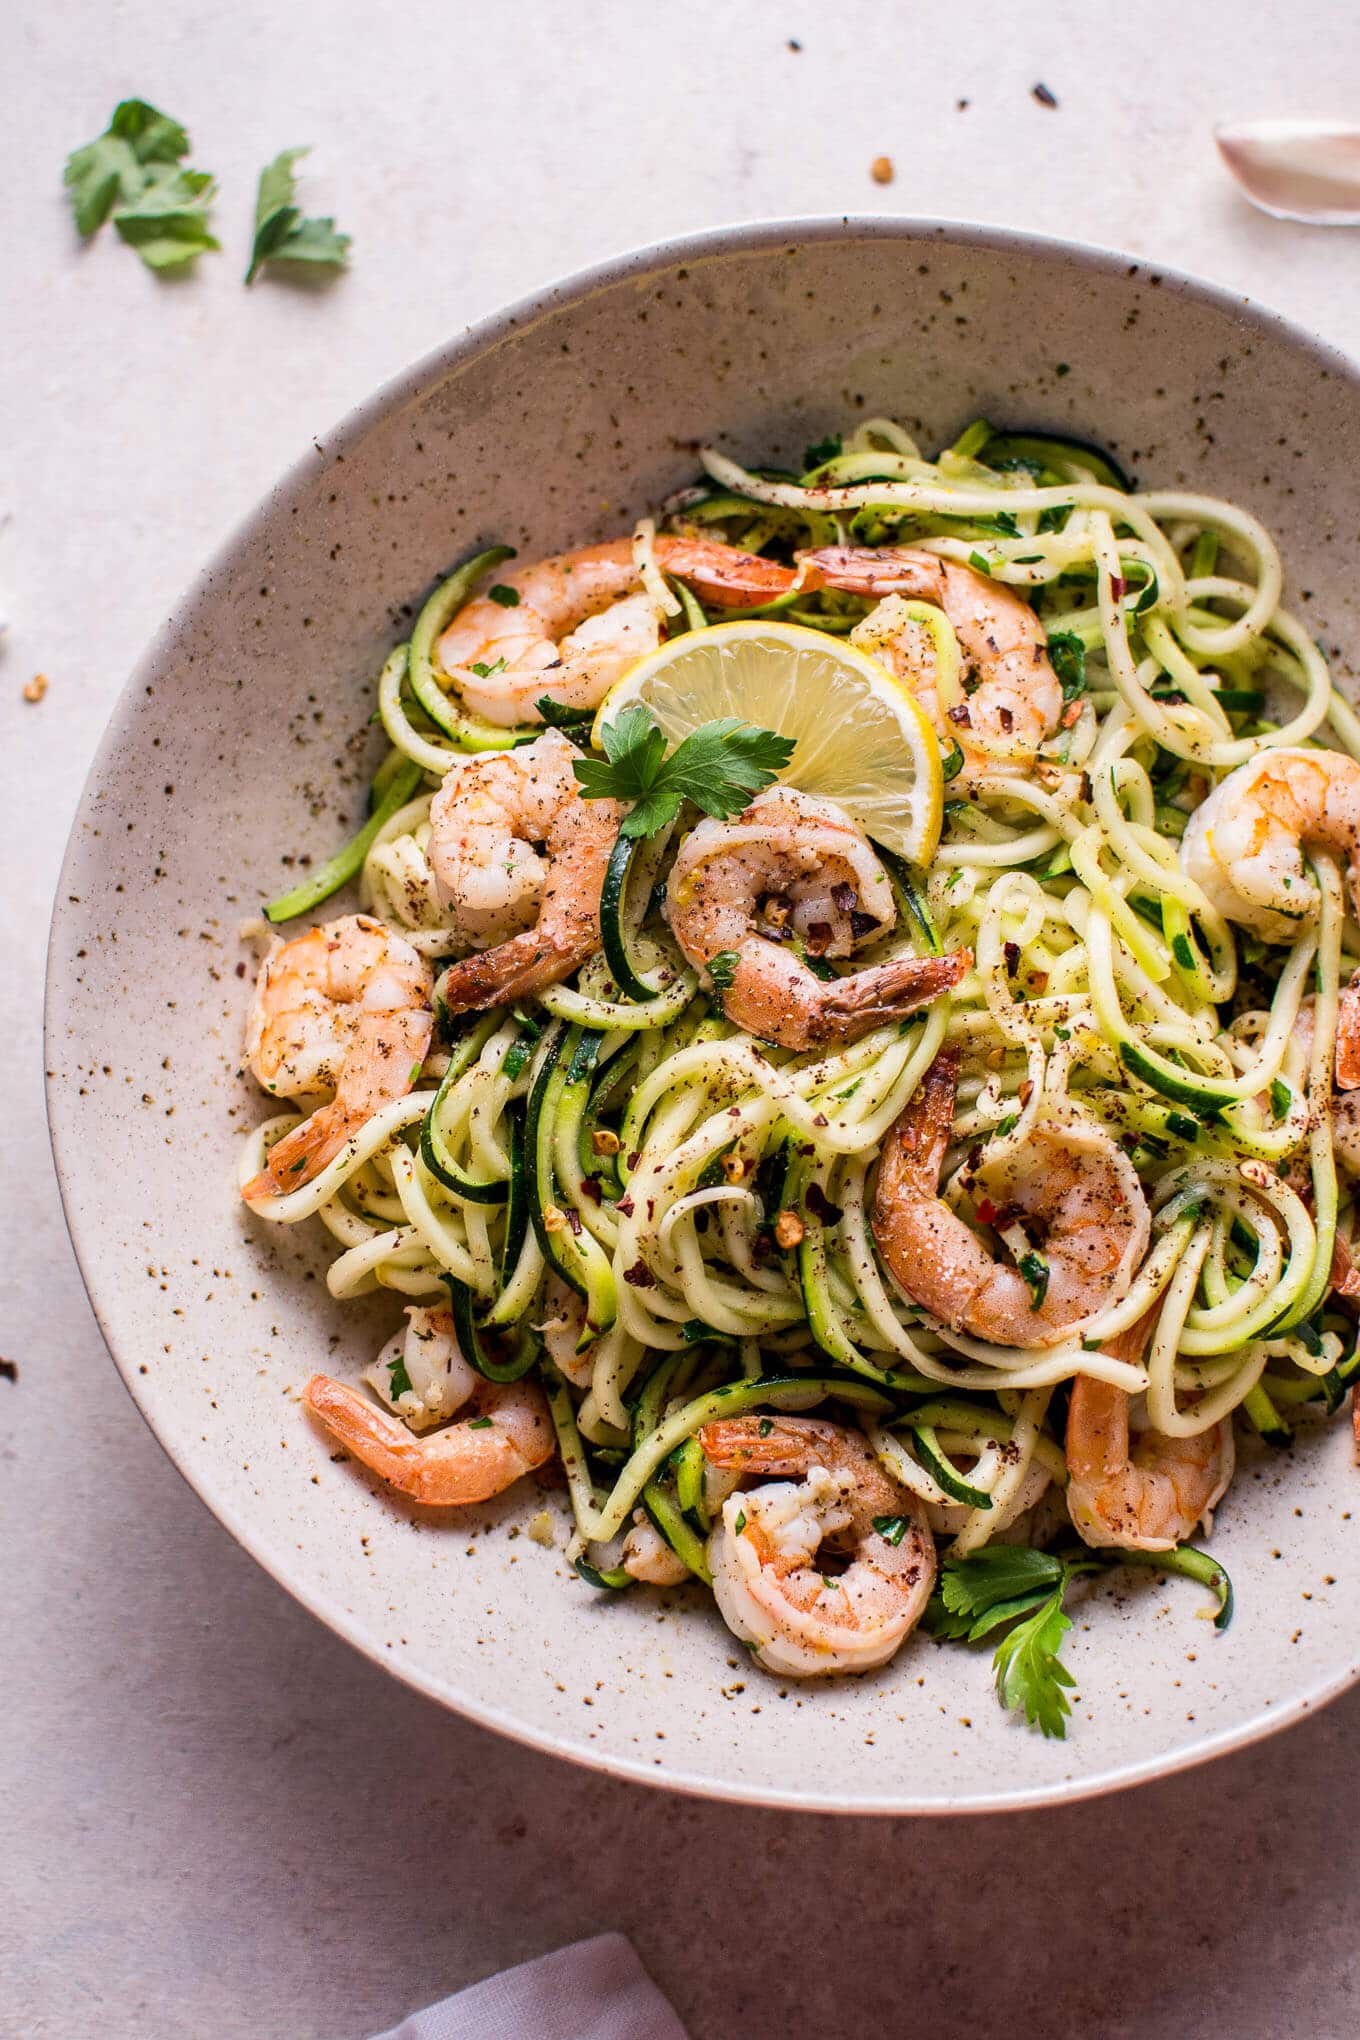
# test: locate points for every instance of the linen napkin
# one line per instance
(592, 1990)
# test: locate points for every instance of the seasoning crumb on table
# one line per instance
(36, 687)
(881, 169)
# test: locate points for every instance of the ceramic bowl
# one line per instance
(242, 740)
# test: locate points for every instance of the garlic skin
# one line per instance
(1296, 169)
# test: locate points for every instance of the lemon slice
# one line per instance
(860, 738)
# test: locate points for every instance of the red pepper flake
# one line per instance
(590, 1185)
(1011, 952)
(1119, 587)
(986, 1210)
(625, 1207)
(639, 1276)
(240, 970)
(1071, 715)
(959, 714)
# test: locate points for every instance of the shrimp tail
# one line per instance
(851, 1006)
(518, 969)
(864, 570)
(764, 1445)
(466, 1463)
(914, 1153)
(723, 574)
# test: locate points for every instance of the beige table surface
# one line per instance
(215, 1819)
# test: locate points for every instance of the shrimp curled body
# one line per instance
(769, 1588)
(468, 1461)
(519, 861)
(1150, 1497)
(344, 1008)
(1017, 701)
(791, 866)
(567, 627)
(1244, 845)
(1072, 1184)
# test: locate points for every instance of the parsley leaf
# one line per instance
(281, 233)
(1036, 1272)
(1067, 656)
(168, 223)
(1030, 1676)
(722, 968)
(119, 164)
(1010, 1583)
(573, 722)
(132, 172)
(398, 1377)
(717, 767)
(507, 598)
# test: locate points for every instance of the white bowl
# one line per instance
(234, 744)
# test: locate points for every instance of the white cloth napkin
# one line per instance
(593, 1990)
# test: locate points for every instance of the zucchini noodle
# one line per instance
(672, 1223)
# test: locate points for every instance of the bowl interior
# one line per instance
(243, 743)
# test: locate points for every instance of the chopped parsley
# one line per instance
(1036, 1271)
(722, 968)
(508, 598)
(1067, 656)
(399, 1380)
(894, 1528)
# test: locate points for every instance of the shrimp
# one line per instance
(1154, 1496)
(648, 1557)
(426, 1354)
(799, 1621)
(344, 1008)
(794, 866)
(540, 911)
(1072, 1182)
(1018, 699)
(469, 1461)
(581, 618)
(1243, 846)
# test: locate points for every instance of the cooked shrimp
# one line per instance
(469, 1461)
(581, 619)
(1153, 1496)
(538, 906)
(648, 1557)
(426, 1353)
(344, 1008)
(1072, 1183)
(1244, 845)
(1017, 701)
(793, 866)
(798, 1621)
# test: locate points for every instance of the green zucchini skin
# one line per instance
(468, 1333)
(612, 903)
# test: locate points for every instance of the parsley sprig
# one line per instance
(281, 233)
(1011, 1583)
(717, 767)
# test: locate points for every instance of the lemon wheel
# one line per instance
(859, 738)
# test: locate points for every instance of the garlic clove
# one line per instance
(1296, 169)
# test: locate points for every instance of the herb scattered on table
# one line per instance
(132, 174)
(281, 232)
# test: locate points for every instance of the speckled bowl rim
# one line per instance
(736, 238)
